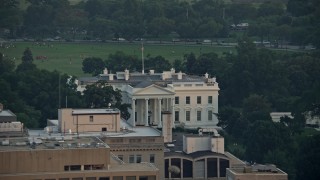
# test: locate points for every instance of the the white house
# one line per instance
(192, 100)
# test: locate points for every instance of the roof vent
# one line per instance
(180, 75)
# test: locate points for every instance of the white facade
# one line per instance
(192, 100)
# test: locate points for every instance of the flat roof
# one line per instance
(52, 142)
(96, 111)
(241, 171)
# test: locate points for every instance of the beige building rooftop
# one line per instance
(57, 142)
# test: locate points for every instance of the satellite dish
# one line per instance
(109, 105)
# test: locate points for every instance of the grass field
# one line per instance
(67, 57)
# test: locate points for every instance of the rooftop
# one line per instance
(96, 111)
(257, 169)
(136, 78)
(7, 116)
(52, 142)
(6, 113)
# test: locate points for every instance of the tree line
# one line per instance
(296, 21)
(253, 82)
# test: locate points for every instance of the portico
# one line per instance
(148, 103)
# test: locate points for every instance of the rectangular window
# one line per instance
(87, 167)
(91, 118)
(66, 168)
(187, 115)
(176, 100)
(130, 177)
(176, 116)
(152, 158)
(198, 115)
(188, 100)
(131, 159)
(209, 99)
(91, 178)
(138, 158)
(198, 99)
(210, 115)
(117, 177)
(75, 167)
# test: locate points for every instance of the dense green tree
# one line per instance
(209, 28)
(93, 65)
(228, 118)
(10, 16)
(27, 56)
(271, 9)
(160, 25)
(101, 95)
(190, 62)
(27, 61)
(6, 65)
(256, 108)
(178, 65)
(158, 63)
(240, 12)
(307, 163)
(120, 61)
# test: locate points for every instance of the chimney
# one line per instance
(105, 71)
(110, 77)
(126, 75)
(163, 76)
(172, 70)
(1, 107)
(206, 75)
(151, 71)
(167, 126)
(214, 79)
(180, 75)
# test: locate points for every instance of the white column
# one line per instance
(133, 115)
(172, 111)
(146, 113)
(159, 113)
(154, 110)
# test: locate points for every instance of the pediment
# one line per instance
(153, 90)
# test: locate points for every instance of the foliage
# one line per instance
(102, 95)
(27, 56)
(6, 65)
(93, 65)
(120, 61)
(307, 163)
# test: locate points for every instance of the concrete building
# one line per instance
(198, 156)
(256, 172)
(192, 100)
(130, 144)
(88, 120)
(66, 158)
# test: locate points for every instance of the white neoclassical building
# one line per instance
(191, 100)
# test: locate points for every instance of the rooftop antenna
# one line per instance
(142, 49)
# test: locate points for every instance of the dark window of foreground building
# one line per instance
(224, 164)
(212, 167)
(166, 166)
(176, 162)
(187, 168)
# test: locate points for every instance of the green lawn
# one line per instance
(67, 57)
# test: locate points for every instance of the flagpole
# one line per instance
(142, 58)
